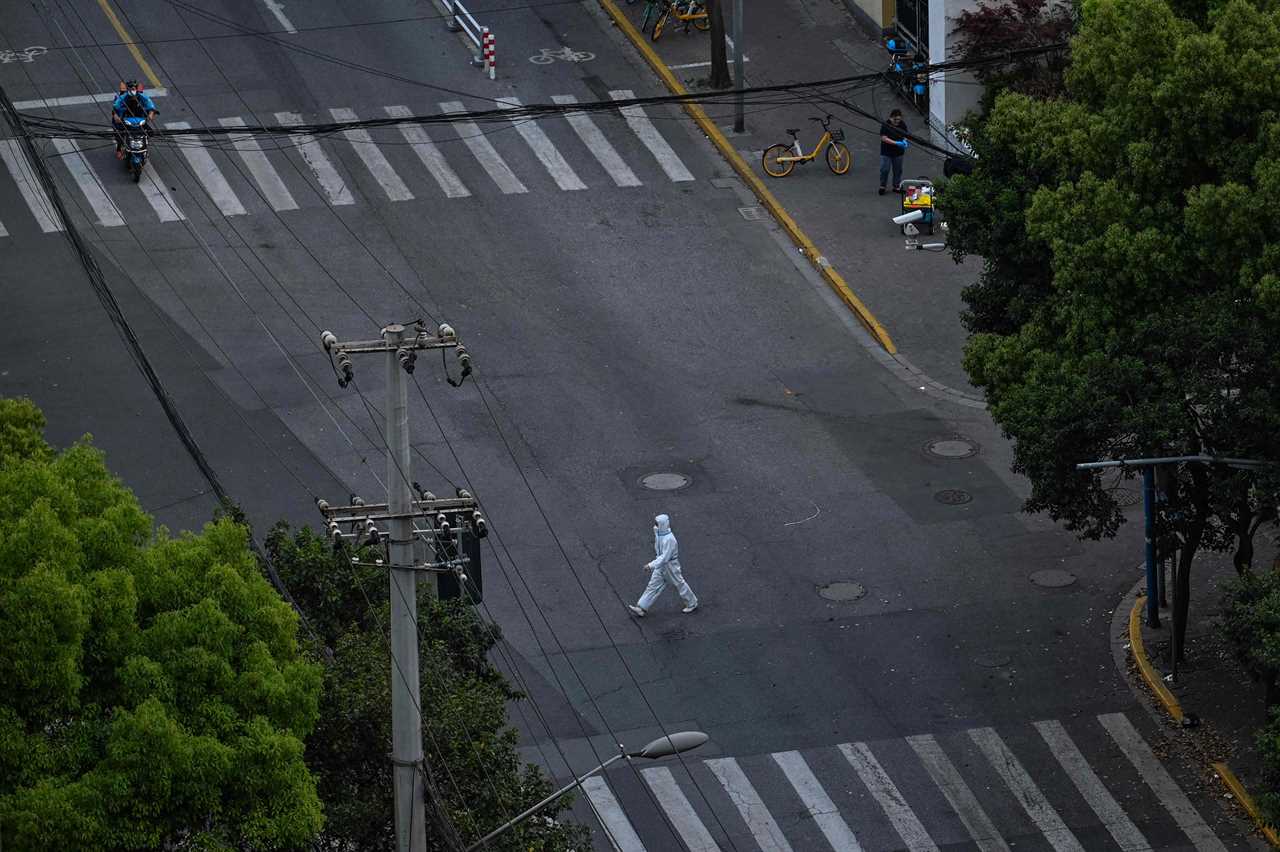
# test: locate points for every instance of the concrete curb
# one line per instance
(748, 175)
(1171, 705)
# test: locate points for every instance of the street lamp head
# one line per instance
(676, 743)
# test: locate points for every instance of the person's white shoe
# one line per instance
(636, 611)
(689, 609)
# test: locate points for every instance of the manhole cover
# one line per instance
(664, 481)
(992, 661)
(955, 447)
(953, 497)
(842, 590)
(1053, 578)
(752, 214)
(1125, 496)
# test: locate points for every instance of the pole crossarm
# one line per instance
(1152, 462)
(395, 342)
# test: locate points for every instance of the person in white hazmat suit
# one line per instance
(664, 569)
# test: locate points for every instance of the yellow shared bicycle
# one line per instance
(686, 11)
(780, 159)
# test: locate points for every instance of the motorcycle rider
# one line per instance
(132, 102)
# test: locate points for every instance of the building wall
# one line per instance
(948, 103)
(873, 15)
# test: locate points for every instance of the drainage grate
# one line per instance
(842, 590)
(752, 214)
(952, 447)
(953, 497)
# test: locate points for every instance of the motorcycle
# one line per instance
(134, 137)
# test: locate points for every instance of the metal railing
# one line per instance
(461, 20)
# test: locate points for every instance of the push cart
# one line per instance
(918, 195)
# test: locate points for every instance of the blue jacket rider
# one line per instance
(132, 102)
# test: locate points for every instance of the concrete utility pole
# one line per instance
(446, 521)
(740, 83)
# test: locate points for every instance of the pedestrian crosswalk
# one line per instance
(1091, 784)
(240, 174)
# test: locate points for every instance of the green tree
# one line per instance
(470, 750)
(155, 695)
(1129, 299)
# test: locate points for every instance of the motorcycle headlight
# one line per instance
(135, 144)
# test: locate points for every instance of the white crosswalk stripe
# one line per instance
(890, 799)
(620, 831)
(157, 195)
(816, 800)
(1025, 790)
(560, 171)
(749, 804)
(429, 154)
(4, 232)
(15, 159)
(269, 182)
(373, 158)
(958, 795)
(683, 816)
(103, 207)
(331, 183)
(484, 152)
(207, 172)
(652, 139)
(1091, 787)
(1157, 777)
(597, 144)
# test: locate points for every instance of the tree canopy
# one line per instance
(155, 694)
(1129, 299)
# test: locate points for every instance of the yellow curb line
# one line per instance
(1175, 710)
(131, 44)
(1246, 801)
(1149, 674)
(833, 278)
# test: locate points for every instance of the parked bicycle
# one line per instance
(663, 12)
(779, 160)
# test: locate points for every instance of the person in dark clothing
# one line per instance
(893, 144)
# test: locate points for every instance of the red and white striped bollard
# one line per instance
(486, 42)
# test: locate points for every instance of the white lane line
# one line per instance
(103, 207)
(3, 231)
(207, 172)
(682, 815)
(277, 8)
(483, 151)
(269, 181)
(430, 155)
(1025, 790)
(78, 100)
(817, 802)
(1166, 789)
(331, 183)
(561, 172)
(157, 195)
(15, 159)
(597, 144)
(1091, 787)
(620, 831)
(652, 139)
(961, 798)
(373, 158)
(891, 800)
(748, 802)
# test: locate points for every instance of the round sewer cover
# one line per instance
(992, 661)
(1053, 578)
(953, 497)
(954, 447)
(664, 481)
(842, 590)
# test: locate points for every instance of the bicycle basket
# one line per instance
(837, 135)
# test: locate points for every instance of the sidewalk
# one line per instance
(1220, 702)
(915, 295)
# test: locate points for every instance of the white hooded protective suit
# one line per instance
(665, 568)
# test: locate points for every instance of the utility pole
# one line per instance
(740, 83)
(446, 521)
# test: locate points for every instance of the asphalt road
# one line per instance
(639, 324)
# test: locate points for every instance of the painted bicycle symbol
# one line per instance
(27, 55)
(568, 54)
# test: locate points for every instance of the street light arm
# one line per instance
(548, 800)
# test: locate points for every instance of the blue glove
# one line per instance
(904, 144)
